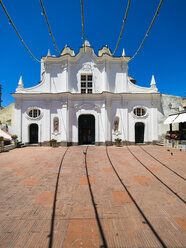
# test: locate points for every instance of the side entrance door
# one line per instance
(33, 134)
(139, 132)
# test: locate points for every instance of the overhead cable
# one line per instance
(126, 13)
(157, 11)
(44, 12)
(83, 28)
(18, 32)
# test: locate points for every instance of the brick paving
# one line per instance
(29, 217)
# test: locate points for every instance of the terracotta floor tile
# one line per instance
(153, 169)
(30, 181)
(14, 165)
(127, 163)
(89, 163)
(45, 198)
(108, 170)
(82, 234)
(83, 180)
(121, 197)
(51, 165)
(20, 172)
(181, 222)
(142, 179)
(103, 159)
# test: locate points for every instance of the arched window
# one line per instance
(116, 123)
(56, 124)
(139, 111)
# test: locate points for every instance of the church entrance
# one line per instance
(33, 133)
(139, 132)
(86, 131)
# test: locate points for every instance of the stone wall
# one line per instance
(170, 105)
(7, 115)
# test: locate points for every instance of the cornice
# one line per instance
(79, 96)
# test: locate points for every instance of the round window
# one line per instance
(139, 111)
(34, 113)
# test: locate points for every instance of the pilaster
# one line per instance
(18, 119)
(48, 122)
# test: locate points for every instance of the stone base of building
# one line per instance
(107, 143)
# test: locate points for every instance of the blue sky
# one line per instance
(163, 53)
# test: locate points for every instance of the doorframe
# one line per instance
(90, 114)
(29, 132)
(143, 132)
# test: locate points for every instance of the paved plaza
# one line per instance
(46, 200)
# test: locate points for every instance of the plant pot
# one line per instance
(1, 143)
(118, 143)
(54, 144)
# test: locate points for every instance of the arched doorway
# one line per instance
(86, 130)
(33, 131)
(139, 132)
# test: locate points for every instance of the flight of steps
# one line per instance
(20, 145)
(160, 142)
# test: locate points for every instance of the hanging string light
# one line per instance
(10, 21)
(50, 31)
(157, 11)
(83, 29)
(126, 13)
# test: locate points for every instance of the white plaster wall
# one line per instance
(86, 65)
(104, 111)
(27, 121)
(17, 117)
(117, 77)
(150, 120)
(109, 74)
(87, 108)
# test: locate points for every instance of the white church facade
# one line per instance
(87, 99)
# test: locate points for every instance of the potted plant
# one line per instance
(53, 142)
(167, 136)
(14, 138)
(118, 142)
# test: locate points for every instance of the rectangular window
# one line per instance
(86, 84)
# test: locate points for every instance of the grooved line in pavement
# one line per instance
(179, 197)
(54, 202)
(94, 204)
(141, 212)
(163, 164)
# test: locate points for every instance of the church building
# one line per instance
(86, 98)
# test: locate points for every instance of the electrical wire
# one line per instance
(18, 33)
(126, 13)
(44, 12)
(83, 28)
(157, 11)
